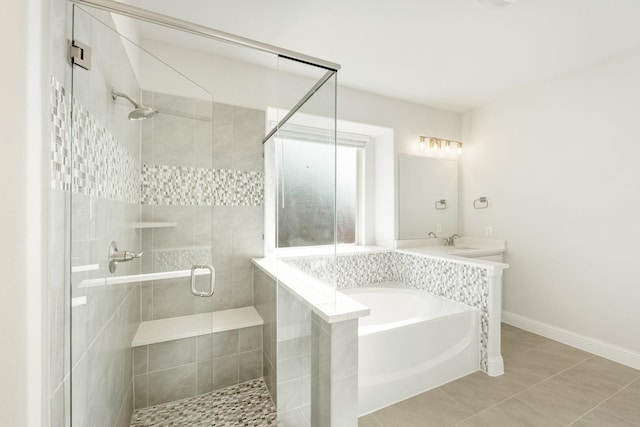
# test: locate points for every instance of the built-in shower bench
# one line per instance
(175, 328)
(195, 354)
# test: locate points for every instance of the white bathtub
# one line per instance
(412, 342)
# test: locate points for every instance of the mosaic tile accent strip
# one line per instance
(90, 161)
(60, 128)
(351, 270)
(180, 259)
(189, 186)
(244, 405)
(96, 164)
(459, 282)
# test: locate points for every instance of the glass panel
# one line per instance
(144, 185)
(305, 208)
(184, 187)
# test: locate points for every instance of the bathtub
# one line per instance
(412, 342)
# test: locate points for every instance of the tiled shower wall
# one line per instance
(94, 198)
(175, 370)
(202, 168)
(315, 378)
(454, 280)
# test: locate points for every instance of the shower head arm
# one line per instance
(115, 94)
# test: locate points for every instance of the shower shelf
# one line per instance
(156, 224)
(121, 280)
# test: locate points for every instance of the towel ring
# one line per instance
(481, 203)
(441, 205)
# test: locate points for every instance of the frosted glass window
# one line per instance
(305, 195)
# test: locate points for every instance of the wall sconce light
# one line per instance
(438, 144)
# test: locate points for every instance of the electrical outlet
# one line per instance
(488, 230)
(438, 228)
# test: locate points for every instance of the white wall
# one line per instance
(253, 86)
(560, 165)
(23, 109)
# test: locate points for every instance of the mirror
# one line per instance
(427, 197)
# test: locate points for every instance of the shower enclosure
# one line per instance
(175, 181)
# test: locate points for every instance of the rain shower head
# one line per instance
(140, 113)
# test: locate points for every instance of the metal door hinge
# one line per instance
(79, 54)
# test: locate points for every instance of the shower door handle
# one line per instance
(212, 280)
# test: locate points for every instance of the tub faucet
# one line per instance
(451, 241)
(432, 234)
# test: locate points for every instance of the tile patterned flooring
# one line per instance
(244, 405)
(546, 384)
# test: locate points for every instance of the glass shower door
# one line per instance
(140, 172)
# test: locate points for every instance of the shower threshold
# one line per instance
(248, 404)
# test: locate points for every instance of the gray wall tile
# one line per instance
(248, 228)
(205, 376)
(344, 349)
(172, 384)
(225, 371)
(140, 358)
(204, 346)
(250, 338)
(242, 288)
(172, 353)
(249, 365)
(248, 131)
(140, 391)
(173, 297)
(224, 343)
(223, 297)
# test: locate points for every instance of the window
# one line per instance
(306, 182)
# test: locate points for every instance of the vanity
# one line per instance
(478, 248)
(428, 205)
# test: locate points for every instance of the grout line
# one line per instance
(101, 331)
(604, 401)
(130, 386)
(527, 388)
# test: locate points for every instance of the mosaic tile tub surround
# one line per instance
(458, 281)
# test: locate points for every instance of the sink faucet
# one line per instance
(451, 241)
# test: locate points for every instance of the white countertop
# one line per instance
(465, 247)
(330, 305)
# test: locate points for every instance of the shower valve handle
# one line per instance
(116, 256)
(124, 256)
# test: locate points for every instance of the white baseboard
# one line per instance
(603, 349)
(495, 366)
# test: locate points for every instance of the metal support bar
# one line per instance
(201, 30)
(300, 103)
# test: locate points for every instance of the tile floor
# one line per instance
(244, 405)
(546, 384)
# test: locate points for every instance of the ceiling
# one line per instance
(450, 54)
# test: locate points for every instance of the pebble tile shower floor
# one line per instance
(244, 405)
